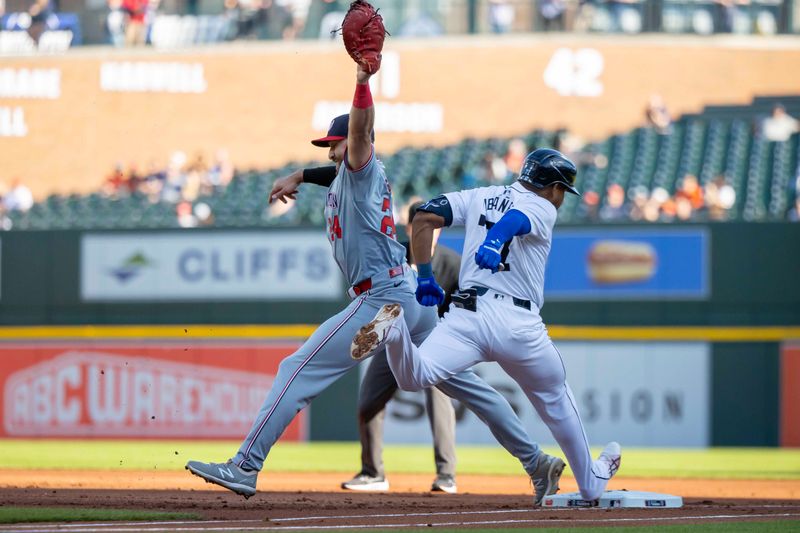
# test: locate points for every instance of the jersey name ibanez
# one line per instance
(360, 222)
(524, 257)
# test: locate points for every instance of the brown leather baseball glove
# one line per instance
(363, 33)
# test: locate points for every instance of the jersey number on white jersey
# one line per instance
(504, 251)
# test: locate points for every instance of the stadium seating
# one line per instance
(721, 140)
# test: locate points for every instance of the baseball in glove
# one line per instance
(363, 33)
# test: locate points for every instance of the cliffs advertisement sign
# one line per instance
(143, 392)
(288, 265)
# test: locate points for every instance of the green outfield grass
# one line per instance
(16, 515)
(720, 463)
(736, 527)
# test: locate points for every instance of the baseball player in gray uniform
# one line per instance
(360, 227)
(508, 234)
(378, 385)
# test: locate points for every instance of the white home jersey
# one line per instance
(523, 257)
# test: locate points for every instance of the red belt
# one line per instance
(366, 284)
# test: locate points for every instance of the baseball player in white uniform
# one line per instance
(495, 316)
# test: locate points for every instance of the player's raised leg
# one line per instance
(441, 356)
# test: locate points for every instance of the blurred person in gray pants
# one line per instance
(379, 385)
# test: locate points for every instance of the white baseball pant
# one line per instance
(517, 339)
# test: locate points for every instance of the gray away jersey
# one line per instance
(524, 256)
(360, 222)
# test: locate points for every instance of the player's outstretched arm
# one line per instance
(287, 187)
(362, 120)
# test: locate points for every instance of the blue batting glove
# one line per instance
(488, 255)
(429, 293)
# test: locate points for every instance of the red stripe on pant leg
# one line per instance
(291, 379)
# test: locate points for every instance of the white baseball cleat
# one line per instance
(366, 483)
(372, 336)
(444, 483)
(607, 464)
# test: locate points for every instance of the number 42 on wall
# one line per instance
(575, 72)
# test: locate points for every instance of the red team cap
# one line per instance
(336, 132)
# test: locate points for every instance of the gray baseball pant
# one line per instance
(325, 357)
(377, 388)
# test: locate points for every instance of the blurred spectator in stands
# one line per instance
(552, 12)
(115, 23)
(420, 24)
(683, 208)
(153, 183)
(794, 212)
(668, 207)
(492, 169)
(515, 155)
(614, 205)
(135, 23)
(279, 22)
(576, 149)
(296, 12)
(779, 126)
(720, 198)
(501, 16)
(5, 222)
(40, 11)
(134, 178)
(331, 17)
(726, 13)
(203, 214)
(625, 16)
(657, 115)
(251, 17)
(584, 15)
(638, 196)
(175, 178)
(591, 204)
(196, 178)
(18, 198)
(186, 218)
(114, 182)
(221, 171)
(139, 18)
(691, 190)
(654, 210)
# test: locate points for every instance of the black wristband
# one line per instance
(320, 176)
